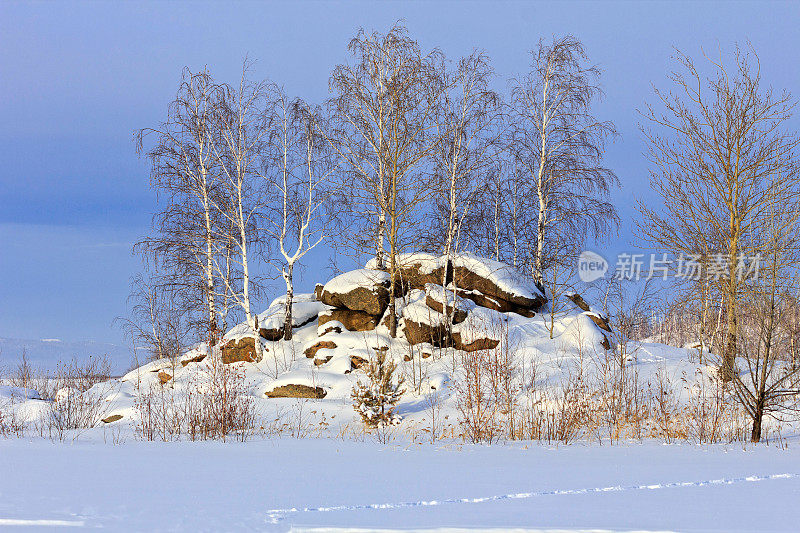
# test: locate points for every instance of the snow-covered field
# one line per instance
(286, 484)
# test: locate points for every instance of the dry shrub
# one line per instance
(557, 414)
(215, 405)
(299, 421)
(223, 405)
(27, 376)
(79, 399)
(486, 393)
(24, 375)
(280, 358)
(711, 417)
(477, 411)
(415, 367)
(11, 425)
(161, 417)
(611, 403)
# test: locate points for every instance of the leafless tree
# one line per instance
(157, 320)
(468, 124)
(299, 188)
(240, 130)
(719, 140)
(383, 109)
(557, 147)
(770, 383)
(185, 173)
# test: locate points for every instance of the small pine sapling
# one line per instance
(375, 400)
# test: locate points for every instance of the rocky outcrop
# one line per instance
(494, 303)
(271, 334)
(243, 350)
(318, 291)
(601, 321)
(195, 359)
(357, 362)
(276, 334)
(578, 300)
(466, 278)
(421, 332)
(332, 327)
(297, 391)
(458, 314)
(358, 290)
(479, 342)
(605, 344)
(319, 361)
(312, 350)
(416, 273)
(351, 320)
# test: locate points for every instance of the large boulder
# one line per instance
(351, 320)
(304, 312)
(422, 332)
(312, 350)
(243, 349)
(442, 301)
(482, 330)
(270, 323)
(494, 303)
(497, 281)
(422, 324)
(358, 290)
(601, 321)
(297, 391)
(474, 342)
(416, 271)
(271, 334)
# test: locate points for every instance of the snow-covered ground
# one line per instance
(285, 484)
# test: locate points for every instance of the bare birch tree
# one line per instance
(383, 112)
(299, 188)
(469, 127)
(240, 127)
(184, 171)
(557, 146)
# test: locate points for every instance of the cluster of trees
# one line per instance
(724, 163)
(411, 151)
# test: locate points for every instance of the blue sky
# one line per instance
(77, 78)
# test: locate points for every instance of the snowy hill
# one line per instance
(478, 352)
(478, 364)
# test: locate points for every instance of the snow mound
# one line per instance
(361, 278)
(305, 308)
